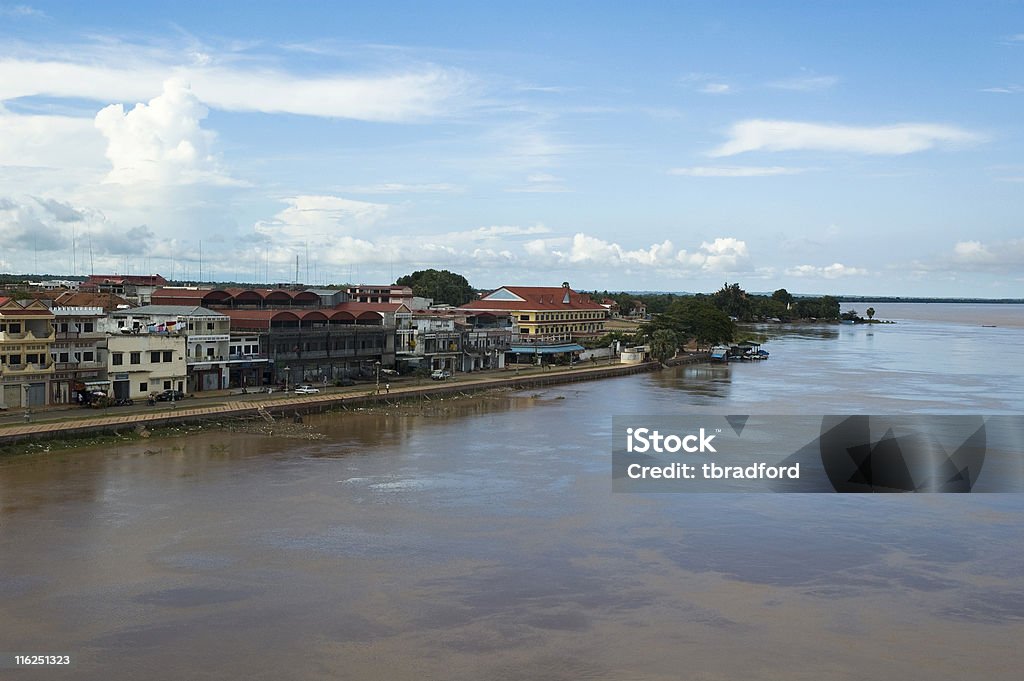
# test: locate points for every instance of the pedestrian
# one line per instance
(387, 388)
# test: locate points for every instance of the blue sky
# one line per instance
(820, 147)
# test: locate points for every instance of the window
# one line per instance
(88, 327)
(209, 351)
(135, 358)
(63, 357)
(143, 387)
(167, 385)
(154, 356)
(209, 326)
(14, 327)
(15, 359)
(117, 358)
(63, 328)
(167, 355)
(88, 356)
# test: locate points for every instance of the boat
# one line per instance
(720, 353)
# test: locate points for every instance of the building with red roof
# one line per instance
(545, 313)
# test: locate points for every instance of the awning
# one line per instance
(546, 349)
(89, 384)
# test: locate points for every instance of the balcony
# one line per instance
(31, 368)
(27, 336)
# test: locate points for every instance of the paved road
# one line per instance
(230, 402)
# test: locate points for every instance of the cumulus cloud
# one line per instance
(898, 139)
(834, 271)
(161, 142)
(1000, 256)
(47, 141)
(722, 255)
(735, 171)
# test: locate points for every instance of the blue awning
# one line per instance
(546, 349)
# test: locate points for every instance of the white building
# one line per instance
(144, 363)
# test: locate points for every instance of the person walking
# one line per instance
(387, 388)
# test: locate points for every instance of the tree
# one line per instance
(733, 301)
(870, 312)
(664, 344)
(783, 296)
(443, 286)
(695, 318)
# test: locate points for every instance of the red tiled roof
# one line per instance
(535, 298)
(108, 301)
(261, 319)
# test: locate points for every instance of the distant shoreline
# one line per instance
(964, 301)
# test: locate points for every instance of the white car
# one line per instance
(440, 374)
(306, 390)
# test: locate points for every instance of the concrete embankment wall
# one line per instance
(289, 406)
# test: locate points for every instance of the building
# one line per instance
(138, 288)
(366, 293)
(238, 298)
(77, 353)
(142, 363)
(435, 343)
(545, 314)
(26, 365)
(486, 337)
(207, 335)
(324, 344)
(638, 308)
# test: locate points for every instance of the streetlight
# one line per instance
(376, 365)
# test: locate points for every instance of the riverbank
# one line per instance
(75, 427)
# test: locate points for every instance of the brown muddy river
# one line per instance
(481, 540)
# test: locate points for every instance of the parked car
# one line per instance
(440, 374)
(170, 396)
(306, 389)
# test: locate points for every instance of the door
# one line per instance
(36, 394)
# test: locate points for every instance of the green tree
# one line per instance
(695, 317)
(870, 312)
(664, 344)
(443, 286)
(783, 296)
(733, 301)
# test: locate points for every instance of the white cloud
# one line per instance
(1002, 256)
(161, 142)
(805, 83)
(43, 141)
(317, 217)
(418, 92)
(833, 271)
(735, 171)
(724, 254)
(898, 139)
(21, 11)
(716, 89)
(1005, 90)
(401, 188)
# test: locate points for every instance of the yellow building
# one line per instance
(26, 367)
(546, 313)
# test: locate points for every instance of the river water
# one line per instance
(480, 539)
